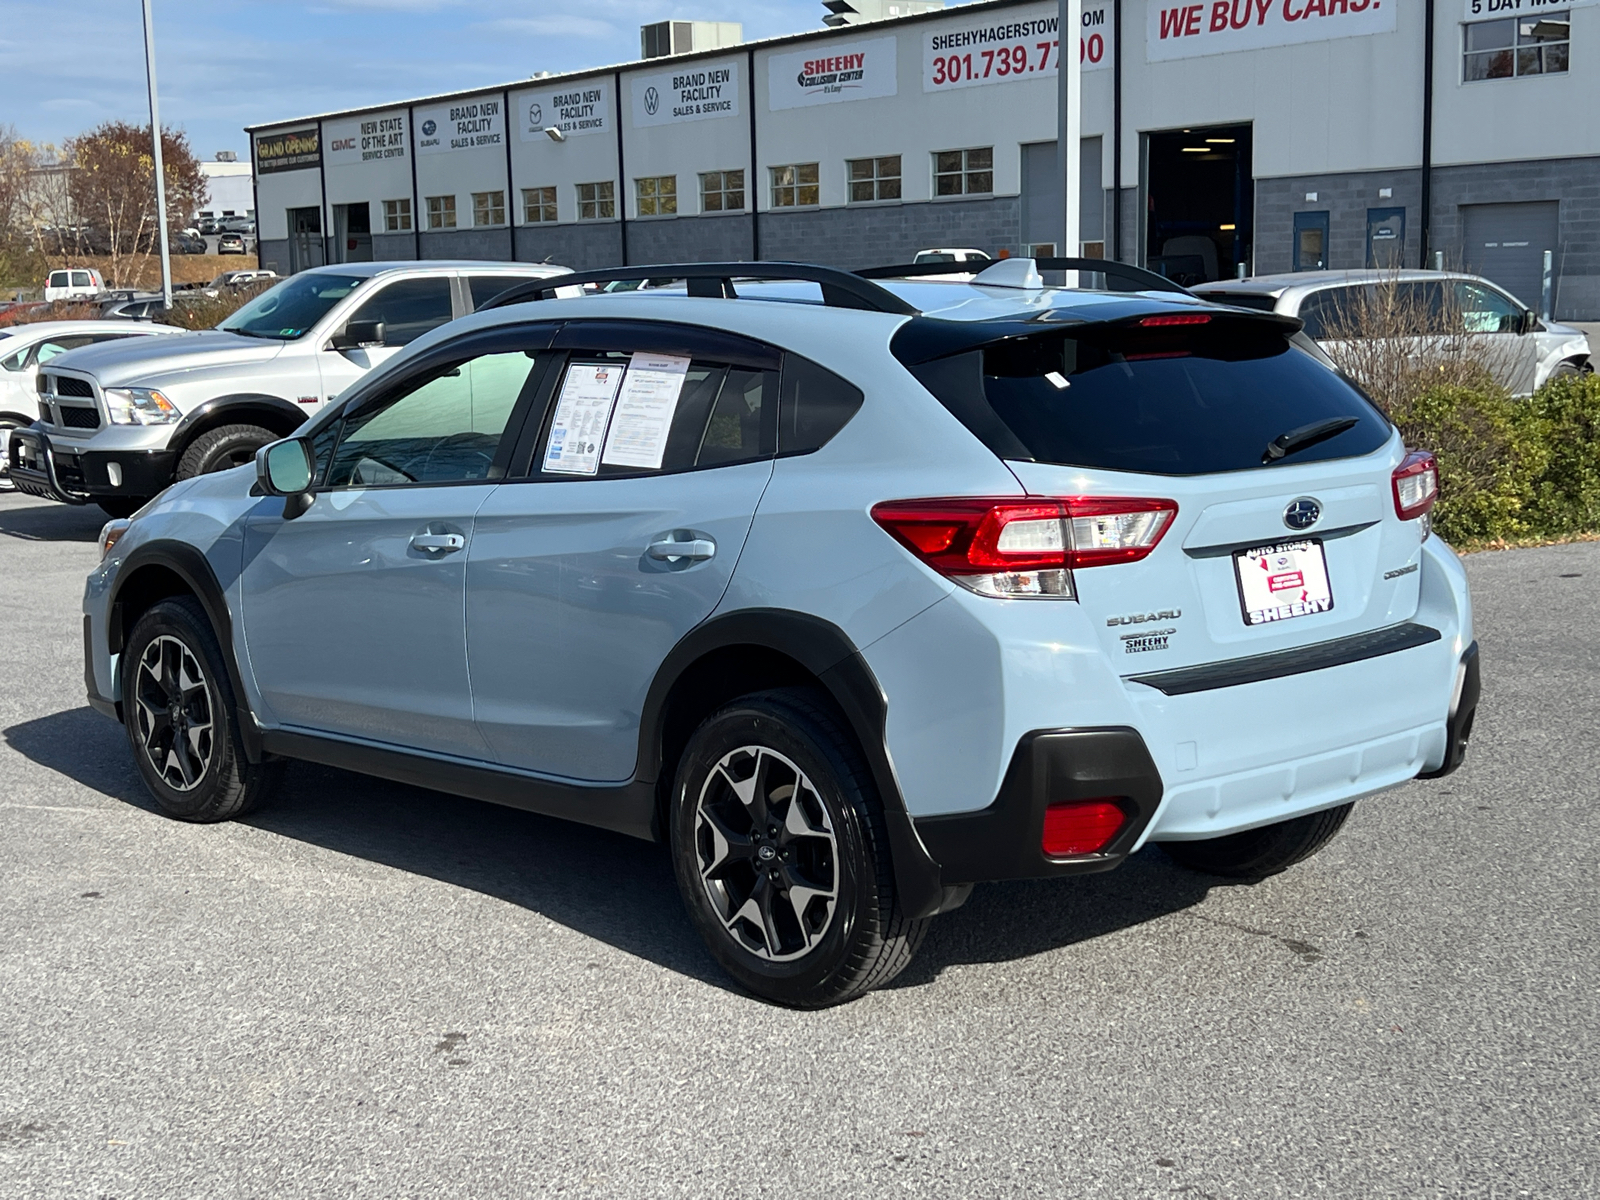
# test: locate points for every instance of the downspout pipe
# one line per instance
(1425, 226)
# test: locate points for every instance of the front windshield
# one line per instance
(290, 309)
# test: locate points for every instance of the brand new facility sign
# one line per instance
(462, 125)
(1003, 48)
(831, 71)
(1218, 26)
(574, 109)
(693, 92)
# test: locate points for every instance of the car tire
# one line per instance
(121, 506)
(181, 718)
(1567, 370)
(813, 824)
(222, 449)
(1257, 853)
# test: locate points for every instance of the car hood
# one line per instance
(135, 359)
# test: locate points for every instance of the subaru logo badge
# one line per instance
(429, 128)
(1302, 513)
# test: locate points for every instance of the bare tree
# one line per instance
(19, 258)
(112, 185)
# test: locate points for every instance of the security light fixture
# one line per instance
(554, 134)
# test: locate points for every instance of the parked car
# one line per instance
(1522, 350)
(231, 243)
(237, 279)
(208, 226)
(76, 283)
(190, 242)
(139, 308)
(238, 225)
(133, 418)
(854, 604)
(977, 257)
(26, 348)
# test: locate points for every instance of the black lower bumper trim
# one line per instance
(71, 475)
(1005, 840)
(1180, 681)
(1458, 729)
(96, 701)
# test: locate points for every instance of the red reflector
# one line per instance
(1081, 827)
(1176, 319)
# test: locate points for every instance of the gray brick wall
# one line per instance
(1574, 183)
(582, 247)
(870, 236)
(274, 254)
(492, 245)
(690, 239)
(393, 247)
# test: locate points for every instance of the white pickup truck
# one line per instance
(123, 420)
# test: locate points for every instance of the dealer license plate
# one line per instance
(1283, 581)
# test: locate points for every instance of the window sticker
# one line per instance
(638, 436)
(588, 394)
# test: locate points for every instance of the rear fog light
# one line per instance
(1080, 827)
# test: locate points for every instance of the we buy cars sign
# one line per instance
(1218, 26)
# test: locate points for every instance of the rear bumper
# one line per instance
(71, 475)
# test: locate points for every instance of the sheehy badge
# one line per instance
(1283, 581)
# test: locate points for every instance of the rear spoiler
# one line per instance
(1119, 276)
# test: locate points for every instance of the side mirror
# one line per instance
(358, 333)
(285, 469)
(1530, 321)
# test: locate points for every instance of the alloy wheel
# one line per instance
(767, 853)
(176, 728)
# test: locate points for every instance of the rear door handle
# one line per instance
(443, 543)
(697, 550)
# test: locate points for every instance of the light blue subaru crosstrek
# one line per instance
(855, 593)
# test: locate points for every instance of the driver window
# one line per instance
(408, 309)
(443, 427)
(1484, 310)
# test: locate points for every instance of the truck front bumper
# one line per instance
(73, 475)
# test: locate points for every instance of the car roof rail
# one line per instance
(840, 289)
(1115, 272)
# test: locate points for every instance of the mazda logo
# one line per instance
(535, 114)
(1302, 513)
(652, 100)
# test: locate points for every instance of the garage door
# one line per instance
(1506, 243)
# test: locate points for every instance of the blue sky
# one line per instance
(224, 64)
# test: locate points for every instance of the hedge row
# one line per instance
(1508, 468)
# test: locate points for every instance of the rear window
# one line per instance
(1187, 400)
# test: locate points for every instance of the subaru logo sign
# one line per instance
(1302, 513)
(429, 128)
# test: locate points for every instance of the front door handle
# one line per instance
(441, 543)
(697, 550)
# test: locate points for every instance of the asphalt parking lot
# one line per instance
(368, 990)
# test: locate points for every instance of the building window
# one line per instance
(795, 186)
(397, 215)
(657, 195)
(722, 191)
(597, 201)
(488, 208)
(441, 212)
(874, 178)
(539, 205)
(1532, 45)
(963, 172)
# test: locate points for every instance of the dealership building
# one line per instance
(1275, 135)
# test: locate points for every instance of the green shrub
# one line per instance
(1565, 413)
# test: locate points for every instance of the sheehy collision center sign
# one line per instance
(1218, 26)
(464, 125)
(694, 92)
(1022, 44)
(830, 72)
(576, 110)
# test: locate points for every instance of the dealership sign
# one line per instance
(1218, 26)
(366, 139)
(830, 72)
(694, 92)
(580, 108)
(289, 151)
(465, 125)
(1019, 45)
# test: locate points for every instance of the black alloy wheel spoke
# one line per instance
(174, 713)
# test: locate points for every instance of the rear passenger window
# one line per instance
(816, 404)
(408, 309)
(619, 414)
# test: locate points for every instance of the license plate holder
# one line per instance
(1280, 581)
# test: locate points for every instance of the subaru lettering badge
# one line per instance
(1302, 513)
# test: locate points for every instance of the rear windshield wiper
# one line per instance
(1286, 444)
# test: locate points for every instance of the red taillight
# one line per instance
(1176, 319)
(1416, 485)
(1081, 827)
(1026, 546)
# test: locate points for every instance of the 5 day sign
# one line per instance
(1218, 26)
(1019, 45)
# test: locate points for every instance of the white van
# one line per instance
(78, 283)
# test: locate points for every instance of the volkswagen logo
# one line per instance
(652, 100)
(429, 128)
(1302, 513)
(535, 114)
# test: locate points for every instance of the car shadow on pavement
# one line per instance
(50, 522)
(616, 889)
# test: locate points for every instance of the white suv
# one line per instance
(123, 421)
